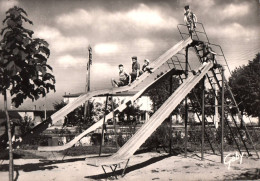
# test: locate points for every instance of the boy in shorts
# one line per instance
(124, 78)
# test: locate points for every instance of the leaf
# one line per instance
(42, 91)
(12, 68)
(9, 44)
(47, 76)
(41, 41)
(7, 34)
(23, 55)
(18, 99)
(26, 41)
(40, 57)
(29, 32)
(48, 66)
(27, 20)
(3, 30)
(21, 10)
(15, 51)
(6, 18)
(50, 86)
(11, 23)
(3, 61)
(39, 68)
(38, 82)
(45, 50)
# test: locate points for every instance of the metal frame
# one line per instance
(114, 169)
(220, 71)
(178, 62)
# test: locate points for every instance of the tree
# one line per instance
(159, 93)
(196, 97)
(23, 62)
(58, 105)
(245, 84)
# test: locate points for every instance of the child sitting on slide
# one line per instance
(124, 78)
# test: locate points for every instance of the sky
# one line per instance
(117, 30)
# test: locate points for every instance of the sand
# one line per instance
(145, 166)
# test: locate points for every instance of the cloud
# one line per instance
(140, 18)
(60, 43)
(77, 18)
(106, 48)
(234, 30)
(143, 44)
(7, 4)
(105, 68)
(145, 17)
(48, 33)
(101, 75)
(68, 61)
(204, 5)
(235, 11)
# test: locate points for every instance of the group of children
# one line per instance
(190, 20)
(125, 78)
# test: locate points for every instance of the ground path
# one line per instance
(145, 166)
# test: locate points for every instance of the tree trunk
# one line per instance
(259, 120)
(11, 172)
(241, 119)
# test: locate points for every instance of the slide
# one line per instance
(100, 122)
(130, 147)
(137, 85)
(141, 81)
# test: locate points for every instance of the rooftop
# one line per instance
(126, 93)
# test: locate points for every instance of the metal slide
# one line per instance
(130, 147)
(144, 84)
(100, 122)
(141, 80)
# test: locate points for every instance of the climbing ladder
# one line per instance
(240, 136)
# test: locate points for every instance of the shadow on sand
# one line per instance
(131, 168)
(43, 165)
(252, 174)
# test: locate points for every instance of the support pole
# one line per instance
(89, 63)
(203, 107)
(216, 116)
(102, 135)
(186, 103)
(222, 115)
(87, 88)
(203, 119)
(45, 107)
(114, 122)
(170, 119)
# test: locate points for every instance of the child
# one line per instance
(209, 55)
(135, 69)
(124, 77)
(190, 19)
(146, 66)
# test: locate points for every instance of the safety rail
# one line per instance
(195, 31)
(206, 42)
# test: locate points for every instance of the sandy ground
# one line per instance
(145, 166)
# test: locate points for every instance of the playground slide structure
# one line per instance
(100, 122)
(140, 82)
(155, 64)
(130, 147)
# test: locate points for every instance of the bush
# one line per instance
(160, 138)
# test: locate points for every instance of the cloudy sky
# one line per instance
(118, 29)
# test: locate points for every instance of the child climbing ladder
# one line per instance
(190, 19)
